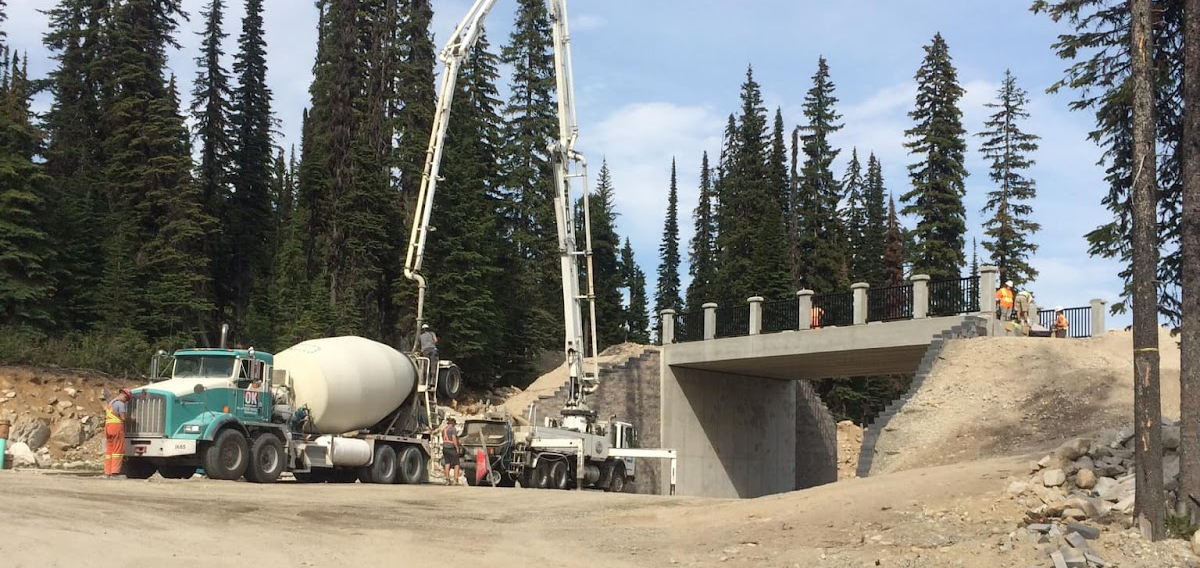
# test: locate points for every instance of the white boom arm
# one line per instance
(567, 164)
(453, 54)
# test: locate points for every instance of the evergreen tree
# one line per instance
(1101, 29)
(876, 229)
(974, 256)
(666, 293)
(1009, 230)
(26, 256)
(937, 138)
(893, 252)
(527, 180)
(251, 167)
(854, 219)
(210, 112)
(702, 262)
(607, 273)
(73, 160)
(820, 238)
(637, 320)
(779, 169)
(752, 242)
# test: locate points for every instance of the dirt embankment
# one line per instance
(1002, 396)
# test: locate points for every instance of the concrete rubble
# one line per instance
(1083, 483)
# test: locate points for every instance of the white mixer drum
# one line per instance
(347, 383)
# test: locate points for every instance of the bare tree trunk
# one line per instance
(1189, 365)
(1147, 404)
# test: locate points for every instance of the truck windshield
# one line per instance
(203, 366)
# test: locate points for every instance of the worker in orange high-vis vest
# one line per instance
(1060, 322)
(818, 315)
(114, 434)
(1004, 297)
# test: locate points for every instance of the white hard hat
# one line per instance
(1008, 282)
(424, 326)
(1058, 308)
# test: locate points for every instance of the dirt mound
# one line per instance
(549, 383)
(998, 396)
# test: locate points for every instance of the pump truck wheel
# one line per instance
(450, 384)
(227, 456)
(137, 468)
(266, 459)
(560, 477)
(540, 476)
(616, 483)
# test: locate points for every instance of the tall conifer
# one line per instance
(702, 262)
(666, 292)
(637, 320)
(820, 238)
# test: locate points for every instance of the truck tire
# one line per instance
(177, 471)
(137, 468)
(616, 482)
(266, 459)
(311, 476)
(412, 467)
(539, 478)
(383, 465)
(560, 475)
(227, 456)
(450, 384)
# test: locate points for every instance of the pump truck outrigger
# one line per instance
(347, 408)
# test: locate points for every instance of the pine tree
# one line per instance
(876, 229)
(527, 180)
(854, 219)
(251, 167)
(752, 241)
(666, 293)
(893, 252)
(778, 165)
(637, 320)
(415, 76)
(26, 256)
(1009, 230)
(937, 138)
(974, 256)
(702, 260)
(210, 113)
(607, 273)
(820, 236)
(73, 161)
(1101, 29)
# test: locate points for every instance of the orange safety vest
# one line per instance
(111, 417)
(1005, 297)
(817, 314)
(1061, 322)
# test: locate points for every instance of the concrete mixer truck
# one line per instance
(335, 409)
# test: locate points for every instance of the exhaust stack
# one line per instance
(224, 334)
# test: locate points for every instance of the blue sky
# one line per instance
(656, 79)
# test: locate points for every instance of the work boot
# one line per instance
(118, 476)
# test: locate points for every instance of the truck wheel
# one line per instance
(560, 477)
(617, 483)
(137, 469)
(412, 467)
(540, 477)
(177, 471)
(227, 456)
(450, 382)
(312, 476)
(266, 459)
(470, 475)
(383, 465)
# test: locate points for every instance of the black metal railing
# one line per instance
(953, 297)
(733, 321)
(1079, 321)
(689, 326)
(780, 316)
(833, 309)
(890, 303)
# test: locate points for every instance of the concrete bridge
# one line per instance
(734, 382)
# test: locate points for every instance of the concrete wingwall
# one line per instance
(740, 436)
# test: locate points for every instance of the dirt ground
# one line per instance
(997, 396)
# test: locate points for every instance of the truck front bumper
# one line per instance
(160, 447)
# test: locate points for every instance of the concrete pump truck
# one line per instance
(348, 408)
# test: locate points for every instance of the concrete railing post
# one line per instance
(756, 315)
(1098, 317)
(1034, 316)
(710, 320)
(667, 333)
(989, 281)
(805, 307)
(860, 302)
(920, 283)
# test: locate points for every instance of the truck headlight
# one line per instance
(191, 428)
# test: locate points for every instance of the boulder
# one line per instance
(43, 457)
(33, 432)
(1073, 449)
(1170, 467)
(71, 392)
(1085, 479)
(1196, 542)
(1016, 488)
(1107, 489)
(22, 455)
(66, 434)
(1084, 462)
(1053, 477)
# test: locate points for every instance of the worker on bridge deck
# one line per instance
(1060, 322)
(114, 434)
(1004, 297)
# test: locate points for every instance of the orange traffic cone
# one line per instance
(481, 466)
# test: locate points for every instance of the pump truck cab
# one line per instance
(335, 409)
